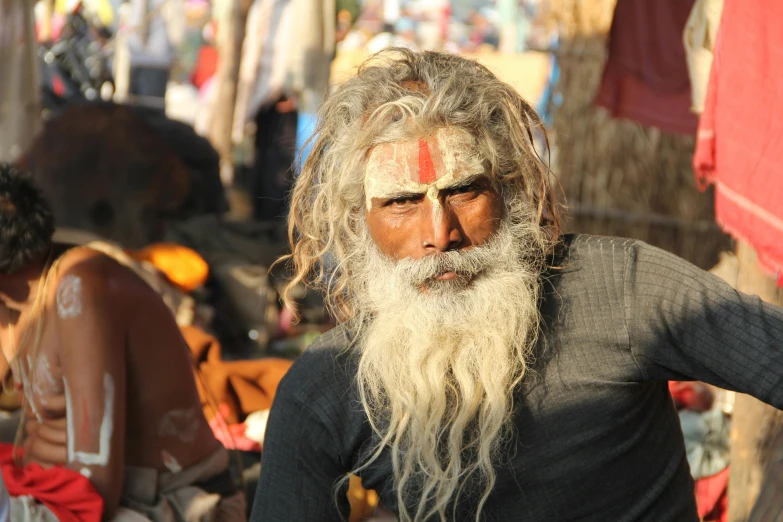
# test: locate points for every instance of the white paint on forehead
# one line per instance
(459, 154)
(107, 427)
(393, 168)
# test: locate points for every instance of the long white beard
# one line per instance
(440, 359)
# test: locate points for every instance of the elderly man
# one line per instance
(486, 367)
(112, 412)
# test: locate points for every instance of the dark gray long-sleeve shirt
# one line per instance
(597, 436)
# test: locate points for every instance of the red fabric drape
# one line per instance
(740, 139)
(68, 494)
(646, 74)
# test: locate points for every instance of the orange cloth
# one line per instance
(181, 265)
(363, 501)
(244, 386)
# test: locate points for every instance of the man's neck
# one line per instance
(18, 290)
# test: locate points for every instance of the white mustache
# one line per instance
(467, 263)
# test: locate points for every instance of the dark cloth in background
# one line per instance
(271, 174)
(646, 74)
(149, 82)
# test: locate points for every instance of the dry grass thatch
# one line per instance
(620, 178)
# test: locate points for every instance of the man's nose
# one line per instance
(440, 227)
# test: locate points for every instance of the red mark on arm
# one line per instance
(426, 167)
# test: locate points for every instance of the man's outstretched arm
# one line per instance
(687, 324)
(92, 321)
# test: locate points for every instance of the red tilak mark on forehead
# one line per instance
(426, 168)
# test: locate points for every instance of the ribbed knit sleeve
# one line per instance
(687, 324)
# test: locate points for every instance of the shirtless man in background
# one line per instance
(107, 377)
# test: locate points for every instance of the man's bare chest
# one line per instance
(44, 389)
(35, 367)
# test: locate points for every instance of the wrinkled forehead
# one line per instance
(448, 154)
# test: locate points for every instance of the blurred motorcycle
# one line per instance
(75, 67)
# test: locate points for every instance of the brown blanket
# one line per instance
(244, 386)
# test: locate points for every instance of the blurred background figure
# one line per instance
(19, 99)
(152, 48)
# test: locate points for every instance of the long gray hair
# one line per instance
(401, 94)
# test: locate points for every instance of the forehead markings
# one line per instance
(426, 166)
(412, 168)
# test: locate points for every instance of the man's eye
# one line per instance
(400, 201)
(464, 189)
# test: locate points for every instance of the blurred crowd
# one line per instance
(457, 26)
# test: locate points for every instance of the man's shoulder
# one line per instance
(335, 340)
(577, 256)
(82, 271)
(583, 262)
(96, 269)
(590, 248)
(95, 278)
(89, 264)
(584, 250)
(612, 262)
(578, 247)
(326, 368)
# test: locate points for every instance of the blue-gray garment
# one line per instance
(597, 435)
(707, 441)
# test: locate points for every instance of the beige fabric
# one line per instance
(127, 515)
(26, 509)
(262, 69)
(171, 497)
(312, 49)
(288, 49)
(699, 39)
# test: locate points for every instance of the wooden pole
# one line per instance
(20, 106)
(756, 435)
(121, 67)
(509, 14)
(769, 506)
(231, 17)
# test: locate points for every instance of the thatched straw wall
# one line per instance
(621, 178)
